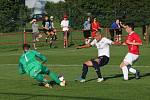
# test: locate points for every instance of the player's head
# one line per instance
(98, 36)
(51, 18)
(117, 21)
(129, 27)
(26, 47)
(46, 17)
(65, 17)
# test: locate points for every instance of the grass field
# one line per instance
(69, 63)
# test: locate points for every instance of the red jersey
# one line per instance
(95, 26)
(133, 37)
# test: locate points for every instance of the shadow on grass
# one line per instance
(32, 96)
(107, 77)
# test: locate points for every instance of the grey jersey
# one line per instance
(35, 28)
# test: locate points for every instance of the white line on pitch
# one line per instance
(71, 65)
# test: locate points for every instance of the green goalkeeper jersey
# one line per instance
(28, 61)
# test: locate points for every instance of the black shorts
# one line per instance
(87, 33)
(102, 60)
(118, 31)
(45, 31)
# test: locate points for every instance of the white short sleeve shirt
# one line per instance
(102, 46)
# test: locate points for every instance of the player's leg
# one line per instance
(97, 63)
(124, 69)
(85, 70)
(52, 75)
(133, 70)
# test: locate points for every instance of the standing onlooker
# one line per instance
(35, 32)
(133, 42)
(116, 28)
(47, 27)
(65, 28)
(95, 27)
(87, 30)
(53, 28)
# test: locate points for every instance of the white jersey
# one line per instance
(102, 46)
(65, 25)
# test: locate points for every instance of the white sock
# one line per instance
(132, 70)
(125, 72)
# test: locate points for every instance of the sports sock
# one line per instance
(132, 70)
(97, 69)
(98, 72)
(54, 77)
(84, 71)
(125, 72)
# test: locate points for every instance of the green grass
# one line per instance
(69, 63)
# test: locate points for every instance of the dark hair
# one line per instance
(26, 46)
(131, 25)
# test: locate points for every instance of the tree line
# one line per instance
(14, 14)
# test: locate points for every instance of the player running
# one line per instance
(102, 44)
(35, 69)
(133, 42)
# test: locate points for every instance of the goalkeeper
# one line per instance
(34, 68)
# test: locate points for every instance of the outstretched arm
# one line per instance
(84, 46)
(21, 69)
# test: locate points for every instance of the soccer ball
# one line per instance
(63, 82)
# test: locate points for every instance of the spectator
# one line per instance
(95, 27)
(48, 30)
(35, 32)
(116, 28)
(87, 31)
(65, 28)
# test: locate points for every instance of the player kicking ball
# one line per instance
(35, 69)
(102, 44)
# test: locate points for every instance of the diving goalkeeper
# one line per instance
(35, 69)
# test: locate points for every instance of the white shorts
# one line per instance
(130, 58)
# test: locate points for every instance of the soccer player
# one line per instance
(102, 44)
(35, 69)
(133, 42)
(65, 28)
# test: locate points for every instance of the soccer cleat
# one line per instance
(82, 80)
(100, 79)
(137, 74)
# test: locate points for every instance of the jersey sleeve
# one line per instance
(108, 41)
(40, 56)
(21, 68)
(93, 42)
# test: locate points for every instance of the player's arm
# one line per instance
(41, 57)
(21, 69)
(84, 46)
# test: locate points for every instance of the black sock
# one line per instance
(84, 71)
(97, 69)
(98, 72)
